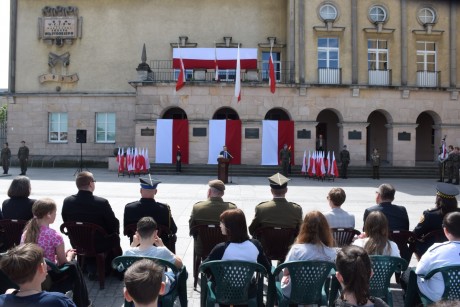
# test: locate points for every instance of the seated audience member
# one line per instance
(146, 243)
(431, 220)
(141, 275)
(38, 231)
(374, 240)
(396, 215)
(354, 271)
(440, 255)
(19, 205)
(25, 266)
(337, 217)
(314, 242)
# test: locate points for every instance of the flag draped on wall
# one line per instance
(238, 77)
(274, 135)
(224, 132)
(170, 134)
(207, 58)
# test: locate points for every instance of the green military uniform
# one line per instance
(345, 159)
(23, 156)
(375, 157)
(449, 164)
(6, 156)
(456, 166)
(285, 158)
(277, 212)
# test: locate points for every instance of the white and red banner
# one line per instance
(171, 133)
(274, 135)
(224, 132)
(206, 58)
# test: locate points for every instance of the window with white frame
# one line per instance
(328, 52)
(105, 127)
(276, 62)
(328, 12)
(57, 127)
(426, 15)
(377, 54)
(377, 13)
(188, 74)
(227, 75)
(426, 56)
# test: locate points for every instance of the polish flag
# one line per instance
(238, 77)
(170, 133)
(205, 58)
(323, 169)
(304, 162)
(224, 132)
(129, 157)
(136, 161)
(181, 78)
(271, 75)
(327, 163)
(146, 159)
(216, 65)
(141, 158)
(121, 160)
(334, 168)
(274, 135)
(312, 169)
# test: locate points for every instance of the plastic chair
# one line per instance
(83, 238)
(130, 230)
(121, 263)
(276, 241)
(11, 232)
(451, 277)
(383, 268)
(404, 239)
(231, 282)
(344, 236)
(435, 236)
(307, 283)
(210, 235)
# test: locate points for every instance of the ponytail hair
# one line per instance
(354, 265)
(40, 209)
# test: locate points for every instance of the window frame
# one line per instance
(378, 51)
(420, 17)
(425, 53)
(328, 51)
(328, 5)
(106, 131)
(371, 14)
(188, 74)
(276, 62)
(59, 132)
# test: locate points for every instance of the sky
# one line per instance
(4, 39)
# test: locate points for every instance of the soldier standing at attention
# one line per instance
(23, 156)
(375, 158)
(285, 159)
(449, 161)
(456, 160)
(6, 156)
(345, 158)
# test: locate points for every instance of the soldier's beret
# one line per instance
(149, 183)
(446, 190)
(278, 181)
(217, 184)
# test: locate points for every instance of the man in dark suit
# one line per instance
(225, 153)
(148, 206)
(396, 215)
(277, 212)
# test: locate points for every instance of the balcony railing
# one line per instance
(380, 77)
(427, 78)
(329, 75)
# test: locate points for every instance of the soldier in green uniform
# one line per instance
(285, 159)
(277, 212)
(23, 156)
(449, 162)
(456, 160)
(345, 159)
(375, 158)
(6, 156)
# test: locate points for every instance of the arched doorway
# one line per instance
(277, 114)
(174, 113)
(225, 113)
(377, 134)
(425, 147)
(329, 130)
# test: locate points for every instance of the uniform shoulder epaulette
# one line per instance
(262, 203)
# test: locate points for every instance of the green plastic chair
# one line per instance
(451, 276)
(230, 283)
(121, 263)
(383, 268)
(307, 283)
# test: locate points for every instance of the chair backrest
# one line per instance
(210, 235)
(121, 263)
(383, 268)
(304, 275)
(83, 236)
(276, 241)
(403, 238)
(11, 232)
(232, 279)
(435, 236)
(344, 236)
(451, 277)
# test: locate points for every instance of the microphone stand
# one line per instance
(231, 157)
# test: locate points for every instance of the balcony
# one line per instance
(329, 75)
(427, 78)
(380, 77)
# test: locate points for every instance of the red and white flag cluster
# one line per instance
(319, 164)
(133, 160)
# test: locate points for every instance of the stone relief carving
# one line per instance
(59, 25)
(58, 69)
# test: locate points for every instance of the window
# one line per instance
(426, 15)
(58, 127)
(426, 56)
(188, 74)
(276, 62)
(377, 13)
(377, 54)
(227, 75)
(328, 52)
(105, 127)
(328, 12)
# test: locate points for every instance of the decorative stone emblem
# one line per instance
(58, 65)
(59, 25)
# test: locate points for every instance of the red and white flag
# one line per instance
(170, 133)
(121, 160)
(271, 74)
(146, 159)
(181, 78)
(444, 149)
(141, 158)
(304, 162)
(274, 135)
(224, 132)
(205, 58)
(334, 168)
(129, 159)
(238, 77)
(327, 163)
(216, 65)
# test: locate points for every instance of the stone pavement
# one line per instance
(181, 192)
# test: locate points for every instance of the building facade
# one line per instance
(368, 74)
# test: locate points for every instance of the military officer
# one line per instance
(432, 219)
(285, 159)
(277, 212)
(345, 158)
(456, 160)
(148, 206)
(449, 162)
(23, 156)
(6, 156)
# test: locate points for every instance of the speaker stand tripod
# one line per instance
(80, 169)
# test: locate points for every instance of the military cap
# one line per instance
(278, 181)
(446, 190)
(149, 183)
(217, 184)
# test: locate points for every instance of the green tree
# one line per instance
(3, 113)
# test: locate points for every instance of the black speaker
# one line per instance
(81, 136)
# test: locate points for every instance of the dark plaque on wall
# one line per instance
(147, 132)
(354, 135)
(303, 134)
(403, 136)
(251, 133)
(199, 131)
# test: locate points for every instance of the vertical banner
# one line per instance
(171, 133)
(224, 132)
(274, 135)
